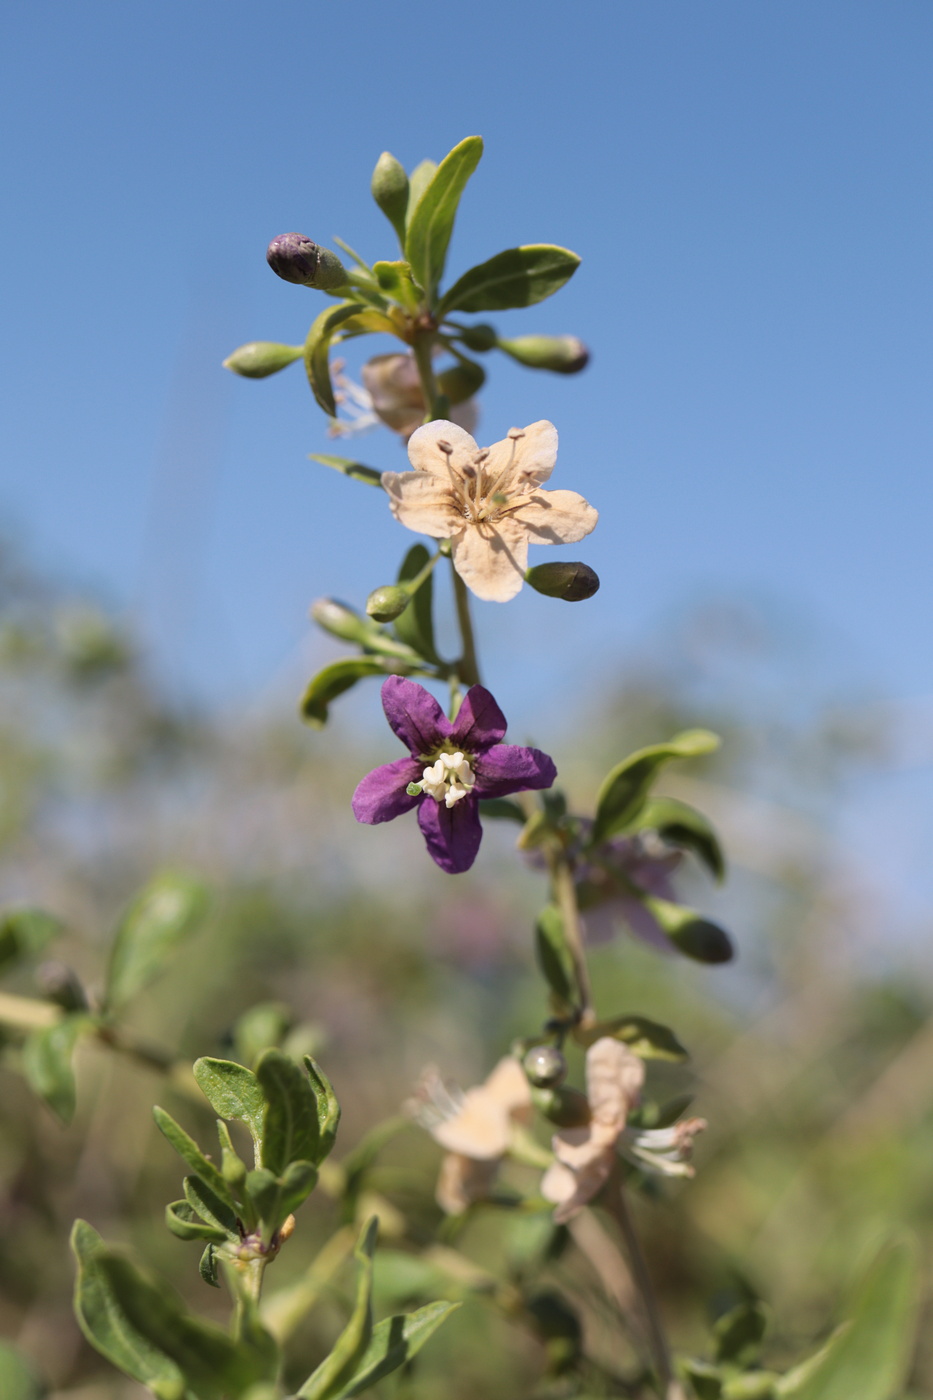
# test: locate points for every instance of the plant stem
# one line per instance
(422, 348)
(467, 666)
(565, 892)
(617, 1201)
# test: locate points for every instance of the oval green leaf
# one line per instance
(682, 825)
(691, 934)
(161, 916)
(317, 352)
(47, 1055)
(339, 677)
(232, 1091)
(516, 277)
(625, 788)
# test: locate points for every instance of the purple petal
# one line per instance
(382, 795)
(414, 715)
(452, 834)
(479, 723)
(508, 768)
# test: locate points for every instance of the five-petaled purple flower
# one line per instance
(452, 765)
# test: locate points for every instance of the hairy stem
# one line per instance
(565, 894)
(617, 1202)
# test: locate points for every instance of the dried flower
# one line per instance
(452, 765)
(391, 393)
(488, 502)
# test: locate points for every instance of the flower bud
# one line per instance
(545, 1066)
(390, 190)
(262, 357)
(295, 258)
(571, 581)
(341, 621)
(479, 338)
(564, 354)
(386, 603)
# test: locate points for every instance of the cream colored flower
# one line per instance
(585, 1156)
(488, 502)
(476, 1128)
(391, 393)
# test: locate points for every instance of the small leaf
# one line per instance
(697, 937)
(337, 1369)
(189, 1152)
(348, 467)
(625, 789)
(395, 280)
(213, 1209)
(682, 825)
(870, 1357)
(207, 1267)
(297, 1182)
(265, 1192)
(339, 677)
(25, 932)
(432, 222)
(516, 277)
(415, 626)
(645, 1038)
(502, 809)
(317, 352)
(163, 914)
(18, 1381)
(105, 1324)
(739, 1334)
(290, 1125)
(418, 181)
(328, 1109)
(394, 1342)
(232, 1091)
(554, 957)
(704, 1379)
(47, 1063)
(185, 1224)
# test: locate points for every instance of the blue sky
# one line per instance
(748, 185)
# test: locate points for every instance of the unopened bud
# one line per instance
(295, 258)
(545, 1066)
(341, 620)
(386, 603)
(262, 357)
(479, 338)
(461, 382)
(567, 1108)
(233, 1169)
(571, 581)
(390, 190)
(60, 984)
(564, 354)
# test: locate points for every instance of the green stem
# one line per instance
(467, 666)
(422, 348)
(617, 1201)
(565, 894)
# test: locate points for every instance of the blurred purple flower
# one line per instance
(452, 765)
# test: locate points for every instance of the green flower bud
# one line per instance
(341, 620)
(545, 1066)
(564, 354)
(461, 382)
(568, 1108)
(386, 603)
(479, 338)
(390, 190)
(571, 581)
(294, 258)
(262, 357)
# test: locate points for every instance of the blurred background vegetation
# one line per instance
(812, 1056)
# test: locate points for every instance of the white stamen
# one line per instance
(449, 778)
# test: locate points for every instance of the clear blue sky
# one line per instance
(748, 184)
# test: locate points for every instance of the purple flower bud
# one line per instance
(295, 258)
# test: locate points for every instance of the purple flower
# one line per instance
(452, 765)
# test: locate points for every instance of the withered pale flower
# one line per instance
(475, 1128)
(391, 393)
(584, 1157)
(488, 502)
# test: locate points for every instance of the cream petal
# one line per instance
(491, 559)
(480, 1129)
(558, 1183)
(463, 1181)
(421, 504)
(556, 517)
(425, 455)
(535, 453)
(614, 1079)
(508, 1085)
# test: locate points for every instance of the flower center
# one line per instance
(448, 778)
(479, 495)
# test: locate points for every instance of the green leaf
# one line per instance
(340, 1367)
(418, 181)
(47, 1063)
(705, 1380)
(645, 1038)
(394, 1342)
(18, 1381)
(515, 277)
(185, 1224)
(395, 280)
(554, 957)
(265, 1192)
(502, 809)
(232, 1091)
(431, 224)
(415, 626)
(870, 1357)
(290, 1125)
(328, 1109)
(213, 1209)
(189, 1152)
(297, 1182)
(682, 825)
(626, 787)
(739, 1334)
(163, 914)
(213, 1365)
(25, 932)
(317, 352)
(207, 1267)
(341, 676)
(104, 1322)
(348, 467)
(691, 934)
